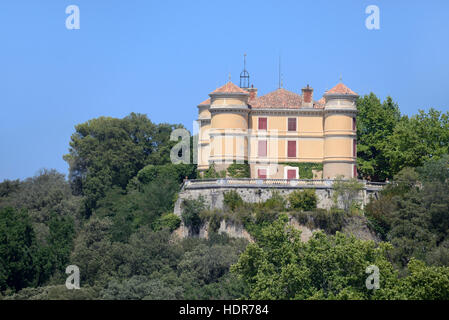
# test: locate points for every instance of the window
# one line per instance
(291, 152)
(353, 124)
(262, 123)
(291, 174)
(291, 124)
(262, 173)
(262, 150)
(354, 148)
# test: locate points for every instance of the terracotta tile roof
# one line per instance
(340, 89)
(320, 103)
(278, 99)
(229, 88)
(205, 102)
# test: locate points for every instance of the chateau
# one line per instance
(275, 132)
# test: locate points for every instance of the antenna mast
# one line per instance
(280, 73)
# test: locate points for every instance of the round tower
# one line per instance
(229, 125)
(204, 118)
(340, 133)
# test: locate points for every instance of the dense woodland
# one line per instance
(112, 217)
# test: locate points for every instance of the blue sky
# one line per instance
(162, 58)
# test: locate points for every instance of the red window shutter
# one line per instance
(354, 148)
(262, 123)
(355, 171)
(291, 149)
(262, 173)
(291, 124)
(262, 151)
(291, 174)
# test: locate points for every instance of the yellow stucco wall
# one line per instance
(338, 148)
(222, 101)
(203, 112)
(338, 124)
(229, 121)
(332, 170)
(310, 125)
(311, 149)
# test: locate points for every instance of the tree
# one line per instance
(18, 250)
(413, 213)
(376, 121)
(305, 200)
(418, 139)
(280, 266)
(107, 152)
(346, 191)
(131, 210)
(191, 213)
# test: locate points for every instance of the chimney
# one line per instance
(307, 96)
(252, 92)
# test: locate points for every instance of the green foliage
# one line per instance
(42, 196)
(305, 168)
(239, 170)
(418, 139)
(329, 221)
(346, 191)
(211, 173)
(213, 217)
(305, 200)
(176, 172)
(413, 213)
(376, 122)
(280, 266)
(8, 187)
(232, 200)
(18, 250)
(191, 213)
(107, 152)
(56, 292)
(387, 142)
(275, 202)
(170, 221)
(140, 207)
(141, 288)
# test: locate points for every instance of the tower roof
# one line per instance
(205, 102)
(229, 88)
(341, 89)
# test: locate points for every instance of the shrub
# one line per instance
(330, 221)
(347, 191)
(232, 200)
(276, 202)
(214, 218)
(169, 221)
(191, 213)
(211, 173)
(305, 200)
(239, 170)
